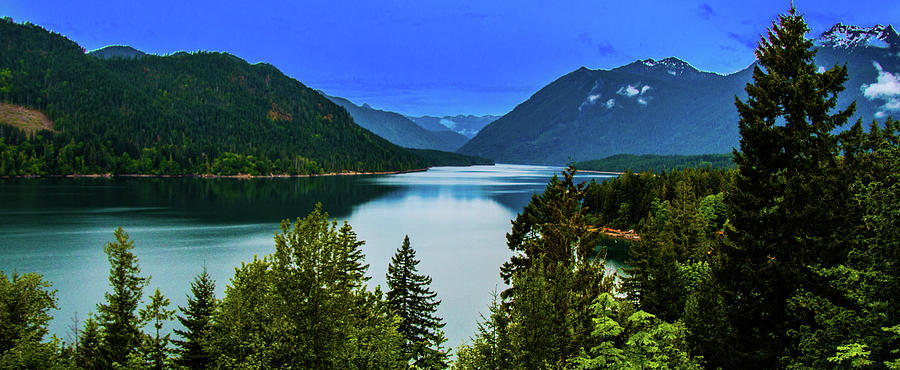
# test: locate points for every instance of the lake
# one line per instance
(456, 218)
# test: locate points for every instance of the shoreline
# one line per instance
(601, 172)
(214, 176)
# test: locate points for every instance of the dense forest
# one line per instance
(656, 163)
(200, 113)
(788, 261)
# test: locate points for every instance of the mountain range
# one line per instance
(399, 129)
(670, 107)
(467, 125)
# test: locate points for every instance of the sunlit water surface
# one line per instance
(456, 219)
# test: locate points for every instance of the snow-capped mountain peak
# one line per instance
(671, 66)
(851, 36)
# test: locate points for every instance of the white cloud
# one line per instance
(671, 72)
(448, 123)
(821, 70)
(610, 103)
(628, 91)
(878, 43)
(644, 89)
(886, 87)
(642, 101)
(593, 98)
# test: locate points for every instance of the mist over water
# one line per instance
(456, 218)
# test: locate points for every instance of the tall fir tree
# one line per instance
(154, 351)
(556, 272)
(785, 210)
(119, 321)
(89, 354)
(196, 318)
(306, 305)
(413, 300)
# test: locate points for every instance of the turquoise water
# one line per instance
(456, 219)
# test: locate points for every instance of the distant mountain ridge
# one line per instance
(468, 125)
(399, 129)
(117, 52)
(669, 107)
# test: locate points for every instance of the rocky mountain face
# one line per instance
(670, 107)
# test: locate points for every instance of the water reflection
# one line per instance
(456, 219)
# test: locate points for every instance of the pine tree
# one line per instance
(89, 354)
(490, 348)
(785, 209)
(412, 299)
(305, 306)
(154, 350)
(196, 319)
(119, 321)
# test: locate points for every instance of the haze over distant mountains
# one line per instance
(670, 107)
(399, 129)
(467, 125)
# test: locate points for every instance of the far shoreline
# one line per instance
(214, 176)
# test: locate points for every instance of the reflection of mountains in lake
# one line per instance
(212, 200)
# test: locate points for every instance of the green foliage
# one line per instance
(680, 237)
(154, 351)
(89, 352)
(119, 321)
(439, 158)
(415, 303)
(306, 305)
(788, 209)
(634, 340)
(25, 304)
(201, 113)
(657, 163)
(863, 288)
(853, 355)
(490, 347)
(556, 272)
(625, 201)
(196, 319)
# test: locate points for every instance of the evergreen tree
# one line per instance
(154, 350)
(25, 304)
(306, 305)
(88, 354)
(196, 319)
(413, 300)
(490, 348)
(119, 320)
(634, 340)
(556, 272)
(855, 322)
(786, 206)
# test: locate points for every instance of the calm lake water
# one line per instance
(456, 219)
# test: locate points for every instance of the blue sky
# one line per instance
(440, 57)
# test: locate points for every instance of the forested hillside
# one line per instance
(180, 114)
(656, 163)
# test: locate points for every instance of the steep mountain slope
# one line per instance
(670, 107)
(185, 113)
(399, 129)
(664, 107)
(467, 125)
